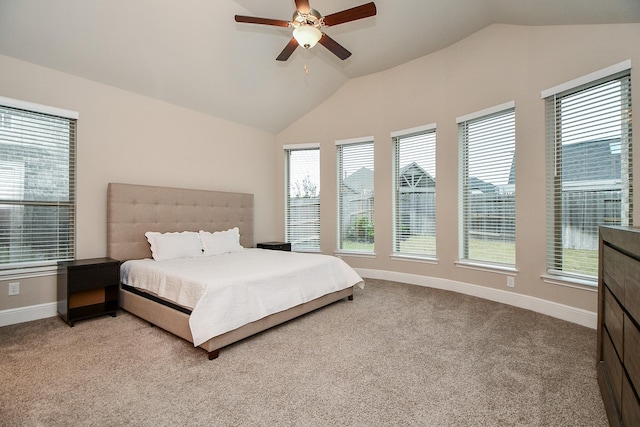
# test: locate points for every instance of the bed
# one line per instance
(133, 210)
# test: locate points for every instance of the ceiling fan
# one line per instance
(306, 24)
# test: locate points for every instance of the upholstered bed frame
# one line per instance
(133, 210)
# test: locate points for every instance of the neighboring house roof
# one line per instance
(575, 158)
(359, 181)
(591, 160)
(480, 186)
(414, 176)
(601, 156)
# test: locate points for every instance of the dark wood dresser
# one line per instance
(619, 324)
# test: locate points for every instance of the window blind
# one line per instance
(487, 181)
(355, 196)
(37, 188)
(302, 210)
(589, 166)
(415, 194)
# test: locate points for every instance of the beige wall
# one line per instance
(498, 64)
(123, 137)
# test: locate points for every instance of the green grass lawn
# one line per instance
(349, 245)
(579, 261)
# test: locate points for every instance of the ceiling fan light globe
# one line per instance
(307, 36)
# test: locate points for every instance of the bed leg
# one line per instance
(350, 297)
(214, 354)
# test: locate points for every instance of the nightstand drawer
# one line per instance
(82, 279)
(276, 246)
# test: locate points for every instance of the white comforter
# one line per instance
(228, 291)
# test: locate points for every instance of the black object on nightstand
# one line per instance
(88, 288)
(276, 246)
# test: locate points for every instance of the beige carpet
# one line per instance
(396, 355)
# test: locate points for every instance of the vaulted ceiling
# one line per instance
(193, 54)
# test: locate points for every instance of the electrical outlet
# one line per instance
(14, 288)
(511, 282)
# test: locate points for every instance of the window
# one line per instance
(589, 168)
(487, 186)
(302, 197)
(355, 195)
(414, 205)
(37, 184)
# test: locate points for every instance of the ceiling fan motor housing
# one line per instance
(313, 19)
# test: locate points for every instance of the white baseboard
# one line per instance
(549, 308)
(27, 314)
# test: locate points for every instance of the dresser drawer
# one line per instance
(613, 368)
(613, 320)
(632, 351)
(630, 409)
(614, 264)
(632, 290)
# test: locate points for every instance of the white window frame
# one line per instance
(311, 224)
(465, 259)
(367, 198)
(19, 266)
(555, 252)
(424, 158)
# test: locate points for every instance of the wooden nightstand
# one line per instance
(276, 246)
(88, 288)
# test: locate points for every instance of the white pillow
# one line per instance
(166, 246)
(221, 242)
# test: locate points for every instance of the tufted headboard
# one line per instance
(132, 210)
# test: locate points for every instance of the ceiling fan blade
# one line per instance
(303, 6)
(335, 47)
(263, 21)
(288, 50)
(358, 12)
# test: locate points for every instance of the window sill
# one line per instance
(414, 258)
(340, 254)
(570, 282)
(493, 268)
(28, 272)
